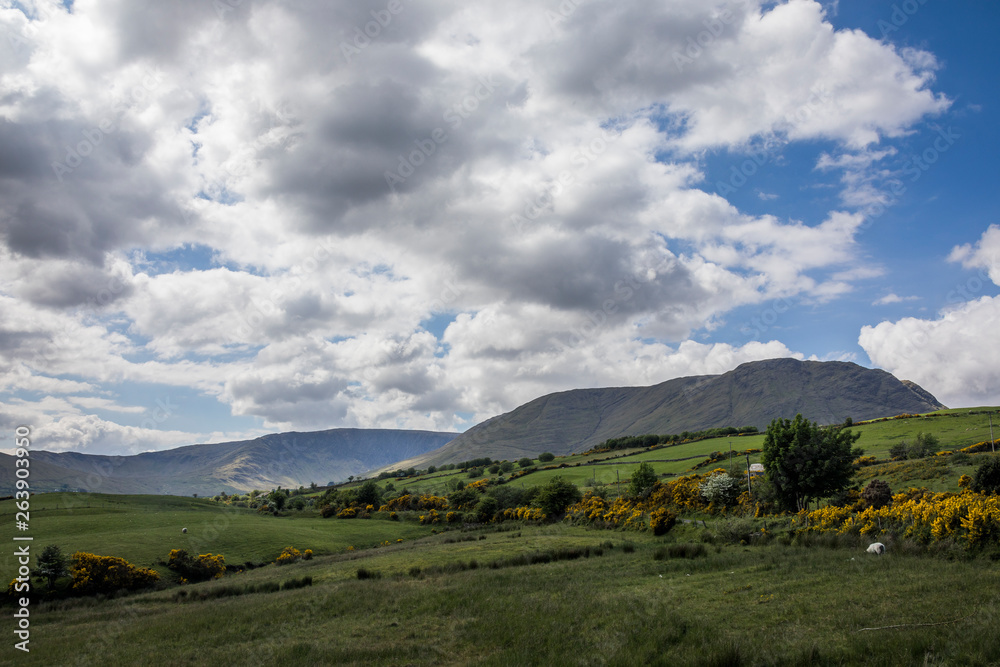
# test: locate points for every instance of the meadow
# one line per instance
(714, 590)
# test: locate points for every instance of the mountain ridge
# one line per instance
(752, 394)
(289, 459)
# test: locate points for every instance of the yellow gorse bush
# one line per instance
(289, 555)
(968, 518)
(106, 574)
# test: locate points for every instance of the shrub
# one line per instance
(107, 574)
(364, 573)
(288, 555)
(720, 489)
(683, 550)
(661, 520)
(525, 462)
(877, 494)
(545, 457)
(986, 479)
(206, 566)
(556, 496)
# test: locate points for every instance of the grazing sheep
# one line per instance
(184, 530)
(876, 548)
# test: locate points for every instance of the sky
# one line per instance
(224, 218)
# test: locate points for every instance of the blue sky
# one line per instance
(222, 220)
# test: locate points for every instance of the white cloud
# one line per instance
(545, 203)
(892, 297)
(953, 355)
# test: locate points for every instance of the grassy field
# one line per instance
(143, 529)
(511, 594)
(626, 603)
(953, 428)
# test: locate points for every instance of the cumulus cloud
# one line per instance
(322, 216)
(948, 352)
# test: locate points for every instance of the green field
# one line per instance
(510, 594)
(143, 529)
(619, 605)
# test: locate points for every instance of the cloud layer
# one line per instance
(404, 214)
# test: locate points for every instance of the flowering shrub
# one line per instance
(207, 566)
(289, 555)
(106, 574)
(430, 517)
(414, 502)
(523, 514)
(347, 513)
(661, 520)
(969, 518)
(307, 554)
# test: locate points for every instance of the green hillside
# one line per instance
(751, 395)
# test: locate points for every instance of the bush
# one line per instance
(683, 550)
(720, 489)
(525, 462)
(545, 457)
(661, 520)
(877, 494)
(986, 479)
(206, 566)
(289, 555)
(94, 574)
(364, 573)
(554, 497)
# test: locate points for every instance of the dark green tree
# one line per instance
(877, 494)
(51, 565)
(804, 461)
(525, 462)
(553, 498)
(545, 457)
(369, 494)
(643, 478)
(278, 499)
(986, 479)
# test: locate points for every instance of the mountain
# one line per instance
(287, 459)
(751, 395)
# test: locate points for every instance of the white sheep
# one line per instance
(876, 548)
(184, 530)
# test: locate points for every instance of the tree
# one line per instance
(877, 494)
(553, 498)
(545, 457)
(643, 478)
(721, 489)
(51, 565)
(278, 498)
(369, 494)
(804, 461)
(525, 462)
(986, 479)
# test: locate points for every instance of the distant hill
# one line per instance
(286, 459)
(753, 394)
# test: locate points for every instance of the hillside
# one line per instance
(287, 459)
(751, 395)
